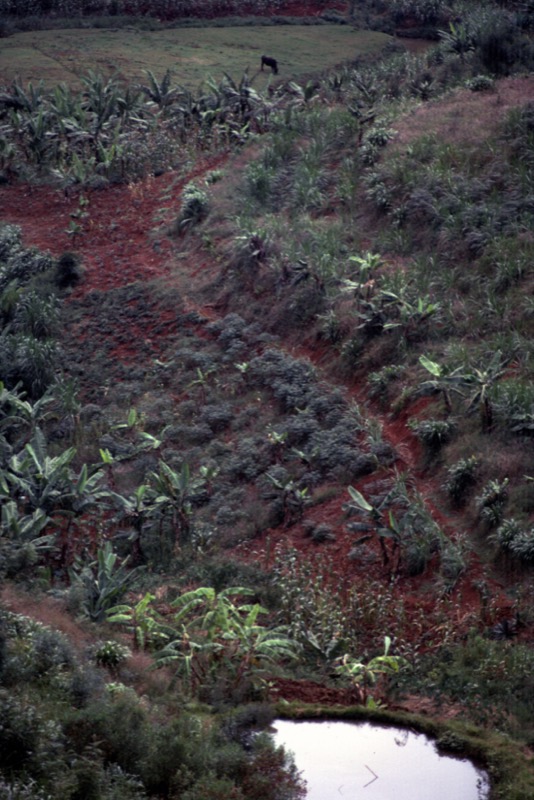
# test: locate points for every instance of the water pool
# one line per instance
(361, 760)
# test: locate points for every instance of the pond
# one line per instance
(360, 760)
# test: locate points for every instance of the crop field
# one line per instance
(192, 54)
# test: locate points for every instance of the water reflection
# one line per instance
(359, 760)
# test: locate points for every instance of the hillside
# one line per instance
(298, 363)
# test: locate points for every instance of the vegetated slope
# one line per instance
(154, 283)
(332, 262)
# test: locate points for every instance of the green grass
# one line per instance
(191, 54)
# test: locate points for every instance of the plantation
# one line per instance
(266, 401)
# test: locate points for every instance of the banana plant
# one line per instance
(480, 382)
(17, 412)
(135, 510)
(217, 638)
(294, 500)
(443, 380)
(142, 620)
(39, 481)
(25, 528)
(109, 158)
(474, 383)
(29, 99)
(100, 100)
(381, 524)
(37, 137)
(129, 104)
(160, 92)
(459, 39)
(412, 315)
(23, 541)
(140, 438)
(103, 582)
(173, 491)
(375, 673)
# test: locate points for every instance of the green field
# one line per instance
(191, 54)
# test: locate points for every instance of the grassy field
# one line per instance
(191, 54)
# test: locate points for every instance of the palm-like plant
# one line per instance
(161, 92)
(37, 480)
(103, 582)
(375, 673)
(134, 510)
(382, 524)
(100, 100)
(217, 638)
(142, 621)
(173, 492)
(16, 412)
(443, 380)
(471, 382)
(459, 39)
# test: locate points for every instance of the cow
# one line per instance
(267, 61)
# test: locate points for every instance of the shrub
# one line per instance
(28, 742)
(515, 540)
(119, 725)
(51, 651)
(69, 270)
(480, 83)
(500, 45)
(36, 315)
(522, 546)
(22, 789)
(318, 532)
(492, 501)
(461, 476)
(28, 361)
(111, 654)
(85, 685)
(424, 11)
(379, 382)
(194, 207)
(507, 531)
(433, 433)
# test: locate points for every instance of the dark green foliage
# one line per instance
(19, 263)
(69, 270)
(194, 207)
(28, 741)
(461, 477)
(489, 697)
(501, 46)
(433, 433)
(36, 315)
(28, 362)
(102, 583)
(480, 83)
(52, 652)
(120, 726)
(111, 654)
(492, 502)
(84, 686)
(515, 539)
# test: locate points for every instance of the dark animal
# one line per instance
(267, 61)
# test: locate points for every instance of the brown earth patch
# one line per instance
(463, 117)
